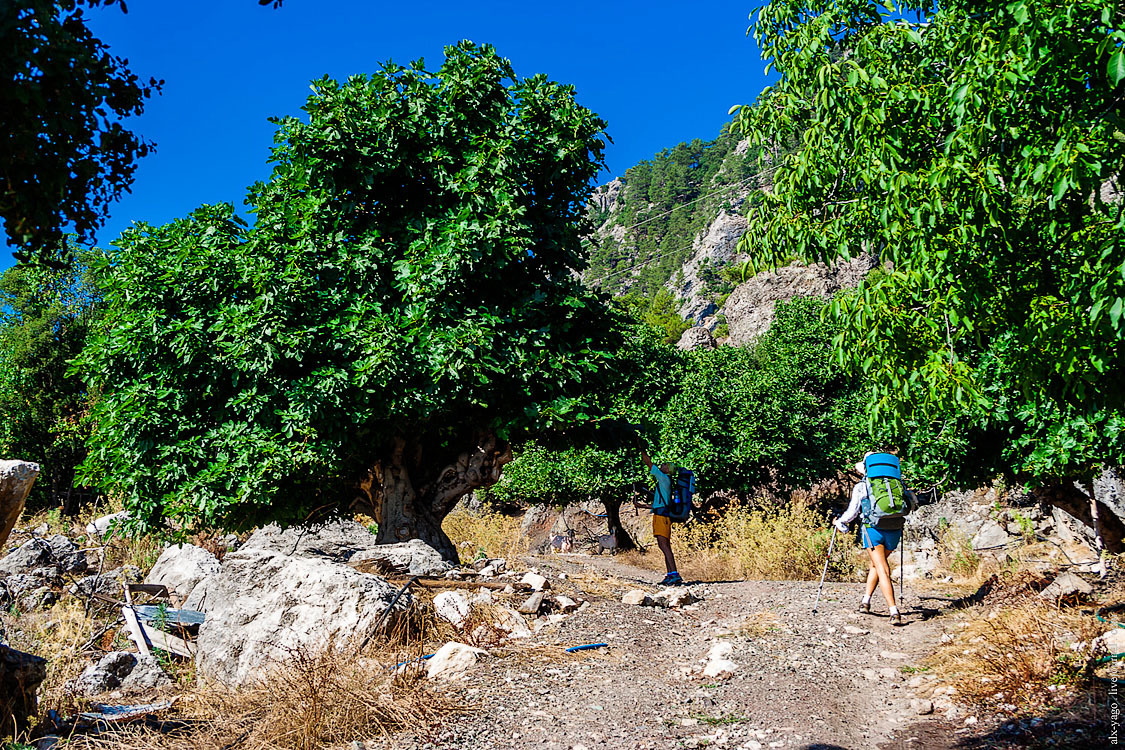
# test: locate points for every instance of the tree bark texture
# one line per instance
(16, 478)
(1106, 523)
(410, 493)
(613, 519)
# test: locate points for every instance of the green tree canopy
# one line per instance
(980, 154)
(778, 412)
(65, 155)
(45, 316)
(405, 302)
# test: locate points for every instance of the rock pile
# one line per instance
(992, 525)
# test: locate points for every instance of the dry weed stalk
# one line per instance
(1014, 654)
(485, 534)
(783, 542)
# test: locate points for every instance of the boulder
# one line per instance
(637, 597)
(414, 557)
(106, 584)
(990, 535)
(550, 529)
(103, 525)
(1067, 584)
(453, 607)
(337, 540)
(121, 669)
(508, 620)
(38, 555)
(1113, 640)
(20, 677)
(565, 604)
(268, 602)
(16, 478)
(674, 597)
(453, 660)
(26, 592)
(696, 337)
(921, 706)
(181, 567)
(535, 581)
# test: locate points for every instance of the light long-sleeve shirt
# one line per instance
(858, 493)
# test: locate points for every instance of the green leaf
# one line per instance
(1115, 312)
(1116, 67)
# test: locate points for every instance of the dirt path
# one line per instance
(838, 678)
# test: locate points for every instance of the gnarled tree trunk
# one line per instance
(410, 493)
(613, 519)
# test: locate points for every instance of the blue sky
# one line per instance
(658, 72)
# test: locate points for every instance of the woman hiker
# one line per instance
(879, 543)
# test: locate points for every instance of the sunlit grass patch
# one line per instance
(484, 533)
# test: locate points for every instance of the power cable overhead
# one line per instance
(617, 271)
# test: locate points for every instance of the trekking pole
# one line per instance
(902, 572)
(824, 574)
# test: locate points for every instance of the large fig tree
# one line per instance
(980, 152)
(405, 303)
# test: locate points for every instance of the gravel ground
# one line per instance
(833, 679)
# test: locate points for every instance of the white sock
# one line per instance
(867, 599)
(894, 610)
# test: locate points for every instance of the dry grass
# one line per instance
(310, 702)
(116, 551)
(786, 542)
(58, 635)
(1022, 657)
(759, 624)
(956, 554)
(596, 584)
(484, 534)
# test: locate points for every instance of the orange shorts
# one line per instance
(661, 526)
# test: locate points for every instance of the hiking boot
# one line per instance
(896, 619)
(672, 579)
(865, 607)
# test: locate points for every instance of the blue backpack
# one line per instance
(885, 506)
(680, 507)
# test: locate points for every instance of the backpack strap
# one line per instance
(865, 503)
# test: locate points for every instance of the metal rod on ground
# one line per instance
(824, 574)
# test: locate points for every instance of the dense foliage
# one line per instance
(780, 412)
(65, 157)
(45, 316)
(980, 153)
(406, 294)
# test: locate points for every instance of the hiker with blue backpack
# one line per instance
(882, 502)
(671, 503)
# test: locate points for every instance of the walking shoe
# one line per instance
(865, 607)
(896, 619)
(672, 579)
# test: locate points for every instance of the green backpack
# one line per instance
(885, 506)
